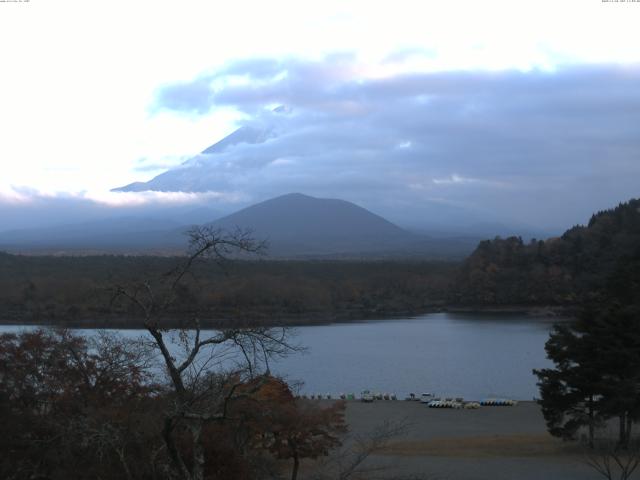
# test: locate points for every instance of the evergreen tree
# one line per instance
(596, 374)
(571, 392)
(616, 330)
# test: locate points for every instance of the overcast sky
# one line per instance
(530, 109)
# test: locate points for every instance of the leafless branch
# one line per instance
(200, 396)
(350, 462)
(613, 462)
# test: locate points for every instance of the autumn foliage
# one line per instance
(69, 404)
(74, 407)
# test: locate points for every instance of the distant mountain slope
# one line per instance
(297, 224)
(269, 148)
(294, 226)
(195, 175)
(581, 265)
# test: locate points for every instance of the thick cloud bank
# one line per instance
(544, 148)
(448, 149)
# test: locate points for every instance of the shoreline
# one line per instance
(297, 320)
(550, 311)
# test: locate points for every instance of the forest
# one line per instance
(560, 272)
(77, 290)
(577, 267)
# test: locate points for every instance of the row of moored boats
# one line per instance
(426, 398)
(458, 402)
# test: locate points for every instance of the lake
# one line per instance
(469, 355)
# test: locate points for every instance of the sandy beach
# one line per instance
(497, 443)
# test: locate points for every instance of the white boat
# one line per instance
(366, 396)
(446, 403)
(426, 397)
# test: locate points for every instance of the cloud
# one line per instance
(157, 165)
(539, 146)
(13, 196)
(455, 179)
(187, 96)
(22, 207)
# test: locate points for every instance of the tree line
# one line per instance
(73, 291)
(565, 271)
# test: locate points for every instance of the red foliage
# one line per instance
(68, 404)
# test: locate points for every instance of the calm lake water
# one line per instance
(467, 355)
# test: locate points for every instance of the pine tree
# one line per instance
(596, 374)
(571, 393)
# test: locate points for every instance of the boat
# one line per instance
(366, 396)
(426, 397)
(498, 402)
(446, 403)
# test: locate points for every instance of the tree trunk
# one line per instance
(622, 434)
(198, 451)
(296, 466)
(591, 425)
(174, 454)
(123, 462)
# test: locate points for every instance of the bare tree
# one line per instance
(612, 461)
(350, 462)
(201, 395)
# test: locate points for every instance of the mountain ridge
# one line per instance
(294, 225)
(300, 224)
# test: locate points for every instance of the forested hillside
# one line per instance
(585, 263)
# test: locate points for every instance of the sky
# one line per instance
(516, 110)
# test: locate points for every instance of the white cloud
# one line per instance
(11, 196)
(175, 198)
(455, 179)
(282, 161)
(79, 79)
